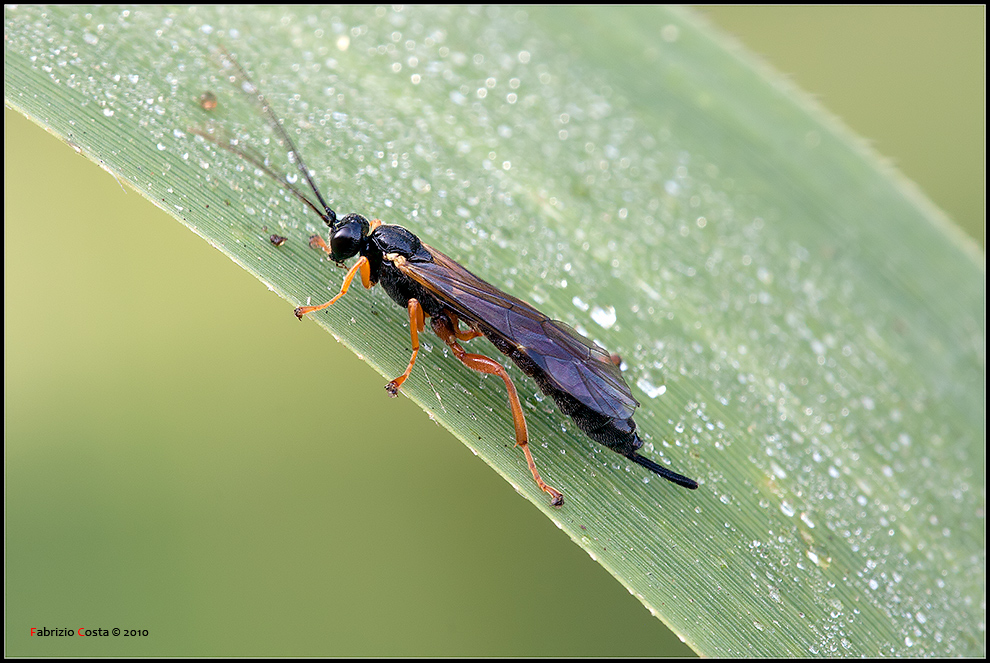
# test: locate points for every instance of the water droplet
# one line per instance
(649, 388)
(603, 316)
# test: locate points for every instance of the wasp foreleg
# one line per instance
(361, 266)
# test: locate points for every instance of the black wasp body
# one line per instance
(580, 376)
(595, 397)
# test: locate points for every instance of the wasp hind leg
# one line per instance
(461, 335)
(482, 364)
(417, 323)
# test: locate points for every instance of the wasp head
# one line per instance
(347, 236)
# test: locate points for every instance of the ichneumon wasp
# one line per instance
(580, 376)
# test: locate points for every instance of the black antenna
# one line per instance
(257, 162)
(330, 218)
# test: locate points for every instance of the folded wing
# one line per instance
(570, 362)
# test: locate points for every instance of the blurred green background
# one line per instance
(131, 502)
(910, 80)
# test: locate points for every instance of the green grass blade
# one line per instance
(804, 331)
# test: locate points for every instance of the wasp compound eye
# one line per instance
(346, 240)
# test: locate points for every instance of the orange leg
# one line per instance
(361, 266)
(317, 242)
(462, 335)
(484, 364)
(416, 324)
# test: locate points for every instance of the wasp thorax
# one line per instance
(348, 236)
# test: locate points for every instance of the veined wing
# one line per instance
(572, 363)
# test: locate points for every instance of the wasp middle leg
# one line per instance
(417, 323)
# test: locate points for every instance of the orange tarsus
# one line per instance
(317, 242)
